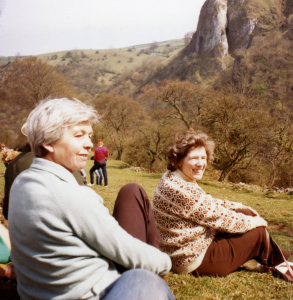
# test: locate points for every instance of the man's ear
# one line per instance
(49, 148)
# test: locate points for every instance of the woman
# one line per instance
(100, 157)
(99, 174)
(204, 235)
(64, 242)
(6, 269)
(7, 155)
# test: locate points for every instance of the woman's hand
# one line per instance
(164, 276)
(254, 212)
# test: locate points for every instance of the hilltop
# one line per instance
(93, 71)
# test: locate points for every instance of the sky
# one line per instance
(32, 27)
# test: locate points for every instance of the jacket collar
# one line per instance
(51, 167)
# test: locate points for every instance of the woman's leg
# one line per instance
(228, 252)
(101, 176)
(92, 170)
(137, 284)
(134, 214)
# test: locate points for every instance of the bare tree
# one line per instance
(121, 116)
(188, 37)
(30, 80)
(183, 98)
(239, 125)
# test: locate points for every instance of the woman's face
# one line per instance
(72, 149)
(194, 163)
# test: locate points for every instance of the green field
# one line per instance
(245, 283)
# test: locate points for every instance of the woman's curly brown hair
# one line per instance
(184, 142)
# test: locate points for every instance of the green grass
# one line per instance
(242, 284)
(114, 55)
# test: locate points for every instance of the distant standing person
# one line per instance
(4, 148)
(101, 155)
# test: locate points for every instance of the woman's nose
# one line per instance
(200, 162)
(88, 143)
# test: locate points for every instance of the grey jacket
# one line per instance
(63, 239)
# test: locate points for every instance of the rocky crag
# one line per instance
(225, 30)
(228, 25)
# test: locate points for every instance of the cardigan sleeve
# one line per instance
(187, 200)
(229, 204)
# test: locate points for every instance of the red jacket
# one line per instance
(101, 153)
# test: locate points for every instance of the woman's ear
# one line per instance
(49, 148)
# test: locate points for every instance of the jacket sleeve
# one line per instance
(93, 224)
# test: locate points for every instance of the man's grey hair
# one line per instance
(47, 123)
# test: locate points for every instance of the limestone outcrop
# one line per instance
(225, 26)
(210, 35)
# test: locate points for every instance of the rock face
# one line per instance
(227, 25)
(211, 30)
(239, 26)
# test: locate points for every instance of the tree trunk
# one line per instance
(119, 154)
(225, 173)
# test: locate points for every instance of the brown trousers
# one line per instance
(227, 252)
(134, 214)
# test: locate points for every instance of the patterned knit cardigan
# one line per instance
(186, 218)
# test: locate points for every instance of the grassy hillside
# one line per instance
(92, 72)
(245, 283)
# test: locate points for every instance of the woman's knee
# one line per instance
(140, 284)
(132, 189)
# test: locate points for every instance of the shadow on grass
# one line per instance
(152, 176)
(207, 183)
(285, 232)
(121, 167)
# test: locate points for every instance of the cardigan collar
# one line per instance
(181, 175)
(56, 169)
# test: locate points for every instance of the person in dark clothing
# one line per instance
(100, 157)
(18, 165)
